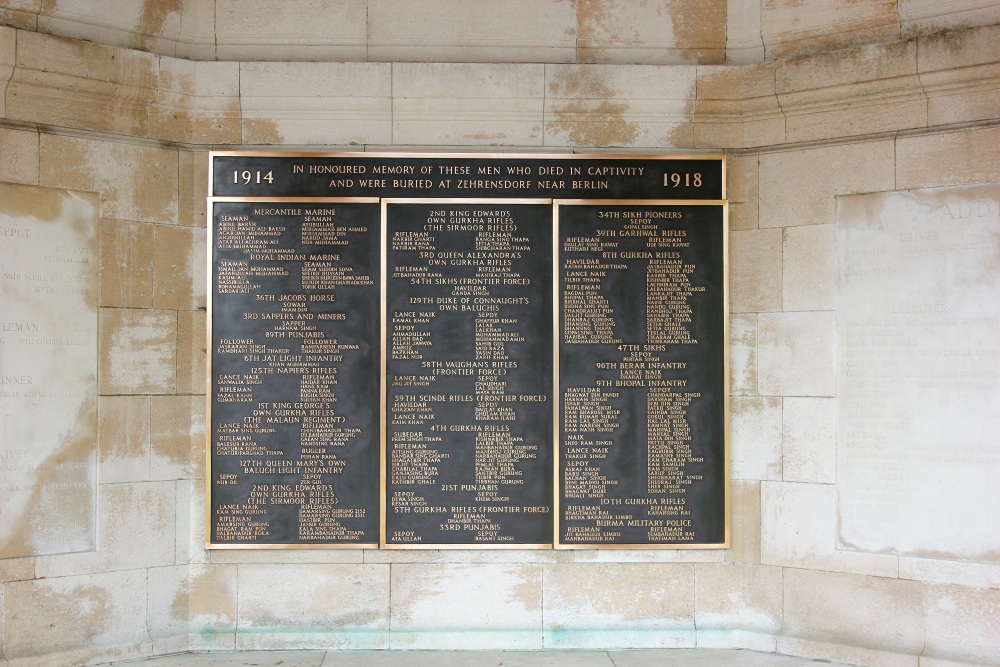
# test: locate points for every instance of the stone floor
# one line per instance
(658, 658)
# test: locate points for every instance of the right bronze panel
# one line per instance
(642, 374)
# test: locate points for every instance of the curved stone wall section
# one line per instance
(133, 127)
(656, 32)
(934, 81)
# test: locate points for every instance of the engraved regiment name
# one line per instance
(467, 351)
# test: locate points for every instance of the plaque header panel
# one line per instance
(261, 174)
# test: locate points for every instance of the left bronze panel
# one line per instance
(294, 426)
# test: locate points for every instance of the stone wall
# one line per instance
(819, 99)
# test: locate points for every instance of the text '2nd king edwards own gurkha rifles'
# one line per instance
(453, 351)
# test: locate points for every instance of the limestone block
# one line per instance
(653, 32)
(467, 556)
(177, 437)
(793, 28)
(212, 603)
(466, 606)
(476, 31)
(842, 613)
(196, 102)
(158, 27)
(193, 608)
(16, 569)
(808, 268)
(957, 49)
(737, 107)
(135, 182)
(126, 276)
(961, 624)
(136, 522)
(76, 620)
(742, 184)
(808, 440)
(795, 354)
(648, 556)
(744, 42)
(315, 606)
(137, 351)
(167, 609)
(315, 30)
(744, 598)
(619, 605)
(21, 14)
(791, 195)
(619, 105)
(79, 84)
(179, 267)
(743, 355)
(964, 95)
(798, 530)
(755, 438)
(941, 571)
(959, 71)
(834, 69)
(925, 17)
(191, 520)
(744, 522)
(191, 355)
(197, 37)
(953, 158)
(301, 556)
(754, 284)
(8, 58)
(709, 657)
(192, 188)
(467, 104)
(316, 103)
(22, 146)
(123, 438)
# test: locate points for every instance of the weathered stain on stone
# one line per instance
(25, 18)
(586, 110)
(68, 510)
(491, 138)
(153, 18)
(29, 201)
(261, 131)
(525, 588)
(799, 28)
(126, 262)
(700, 30)
(682, 135)
(210, 592)
(597, 29)
(180, 605)
(177, 428)
(72, 617)
(137, 351)
(743, 343)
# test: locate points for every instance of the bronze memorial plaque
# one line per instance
(467, 351)
(642, 369)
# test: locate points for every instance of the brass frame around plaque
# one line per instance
(555, 202)
(556, 328)
(384, 391)
(210, 277)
